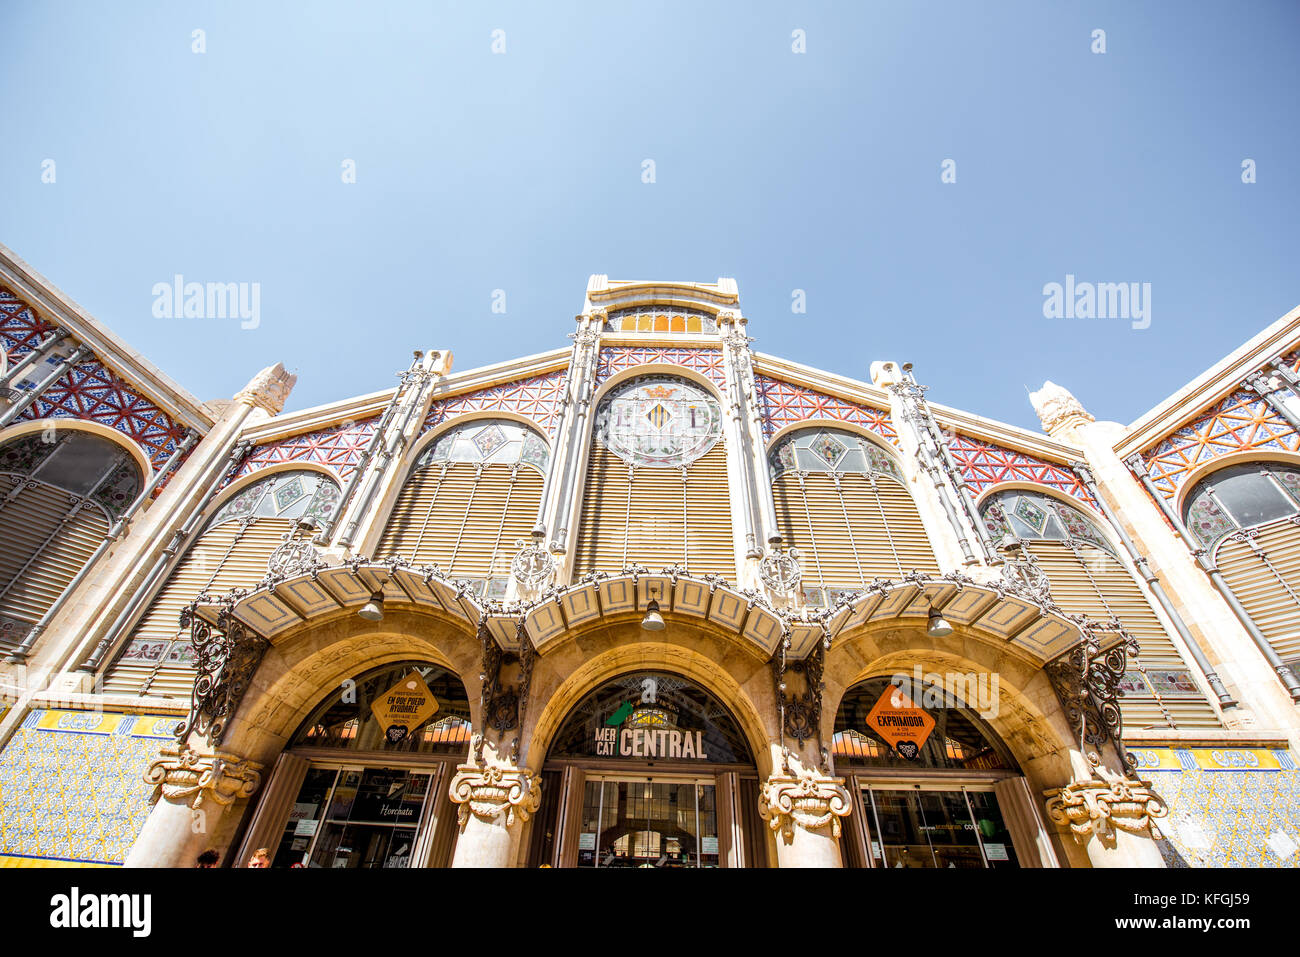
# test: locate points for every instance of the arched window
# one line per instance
(60, 493)
(1248, 518)
(468, 498)
(1087, 577)
(673, 319)
(231, 552)
(841, 501)
(656, 490)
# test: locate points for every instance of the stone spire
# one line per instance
(268, 389)
(1058, 410)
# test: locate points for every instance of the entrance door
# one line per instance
(355, 817)
(648, 822)
(932, 828)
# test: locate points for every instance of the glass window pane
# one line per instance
(1252, 499)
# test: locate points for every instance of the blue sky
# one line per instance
(522, 172)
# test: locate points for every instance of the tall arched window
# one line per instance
(60, 493)
(469, 497)
(841, 501)
(656, 491)
(231, 552)
(1087, 577)
(1248, 518)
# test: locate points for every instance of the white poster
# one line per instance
(708, 845)
(586, 842)
(996, 852)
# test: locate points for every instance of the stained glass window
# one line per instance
(1241, 496)
(830, 450)
(288, 495)
(496, 441)
(660, 319)
(77, 462)
(659, 422)
(1033, 516)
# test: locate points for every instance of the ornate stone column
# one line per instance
(494, 803)
(803, 807)
(192, 792)
(1112, 815)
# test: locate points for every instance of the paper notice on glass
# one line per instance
(586, 842)
(996, 852)
(708, 845)
(305, 828)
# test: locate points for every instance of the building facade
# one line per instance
(650, 599)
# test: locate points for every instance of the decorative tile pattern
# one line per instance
(783, 403)
(89, 391)
(1225, 805)
(707, 362)
(985, 464)
(1241, 421)
(537, 398)
(339, 449)
(72, 785)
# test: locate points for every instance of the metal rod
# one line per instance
(35, 355)
(21, 652)
(1284, 673)
(59, 371)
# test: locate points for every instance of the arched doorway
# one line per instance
(936, 787)
(648, 770)
(363, 782)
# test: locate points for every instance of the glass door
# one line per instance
(648, 822)
(354, 817)
(931, 828)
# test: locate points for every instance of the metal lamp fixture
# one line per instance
(936, 626)
(373, 610)
(653, 621)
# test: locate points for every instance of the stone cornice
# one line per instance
(1220, 380)
(977, 427)
(360, 408)
(56, 308)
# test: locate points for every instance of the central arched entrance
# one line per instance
(649, 769)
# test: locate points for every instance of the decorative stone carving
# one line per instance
(183, 774)
(781, 570)
(268, 389)
(295, 556)
(489, 792)
(1104, 801)
(1057, 409)
(806, 799)
(533, 566)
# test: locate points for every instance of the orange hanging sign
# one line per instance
(404, 707)
(897, 719)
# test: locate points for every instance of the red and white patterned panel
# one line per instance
(783, 403)
(707, 362)
(985, 465)
(537, 398)
(339, 449)
(89, 391)
(1240, 422)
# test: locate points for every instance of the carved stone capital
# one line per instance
(489, 792)
(268, 389)
(1106, 800)
(806, 799)
(183, 774)
(1057, 409)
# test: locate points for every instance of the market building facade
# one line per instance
(650, 599)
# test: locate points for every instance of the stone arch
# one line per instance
(1030, 722)
(305, 664)
(741, 681)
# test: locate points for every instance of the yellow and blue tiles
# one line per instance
(72, 788)
(1228, 807)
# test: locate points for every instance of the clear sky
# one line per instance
(522, 171)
